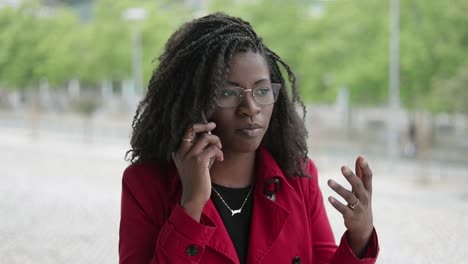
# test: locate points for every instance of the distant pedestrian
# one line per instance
(410, 146)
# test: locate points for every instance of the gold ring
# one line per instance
(354, 204)
(187, 139)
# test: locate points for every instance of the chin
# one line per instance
(245, 147)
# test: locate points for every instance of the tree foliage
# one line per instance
(329, 44)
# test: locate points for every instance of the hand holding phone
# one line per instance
(193, 159)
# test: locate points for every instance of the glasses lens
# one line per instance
(266, 95)
(229, 96)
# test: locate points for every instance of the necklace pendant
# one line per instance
(238, 211)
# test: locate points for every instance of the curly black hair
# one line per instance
(194, 63)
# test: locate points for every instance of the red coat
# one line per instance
(292, 229)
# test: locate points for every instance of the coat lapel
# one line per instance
(220, 241)
(269, 216)
(268, 220)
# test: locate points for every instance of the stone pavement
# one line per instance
(60, 198)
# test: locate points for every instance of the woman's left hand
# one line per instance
(358, 213)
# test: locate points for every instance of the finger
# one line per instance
(204, 140)
(357, 167)
(173, 154)
(367, 173)
(204, 127)
(190, 135)
(343, 209)
(356, 183)
(343, 192)
(209, 153)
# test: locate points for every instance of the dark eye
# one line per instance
(227, 93)
(261, 91)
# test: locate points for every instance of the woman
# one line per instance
(219, 170)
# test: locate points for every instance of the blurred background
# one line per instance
(387, 79)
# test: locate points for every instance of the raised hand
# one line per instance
(193, 159)
(357, 214)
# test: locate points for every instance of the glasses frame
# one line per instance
(244, 91)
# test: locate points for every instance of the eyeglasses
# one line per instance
(231, 96)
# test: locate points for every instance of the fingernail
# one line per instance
(331, 199)
(344, 169)
(364, 161)
(331, 182)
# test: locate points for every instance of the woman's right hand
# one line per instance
(192, 160)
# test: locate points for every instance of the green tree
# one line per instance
(434, 38)
(346, 44)
(60, 48)
(347, 47)
(20, 32)
(451, 95)
(328, 44)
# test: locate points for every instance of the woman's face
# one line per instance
(241, 128)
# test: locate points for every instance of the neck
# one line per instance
(236, 170)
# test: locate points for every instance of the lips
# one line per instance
(250, 130)
(251, 126)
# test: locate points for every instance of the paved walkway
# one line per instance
(60, 199)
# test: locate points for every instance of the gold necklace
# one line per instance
(238, 211)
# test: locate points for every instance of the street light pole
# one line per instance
(137, 72)
(134, 15)
(394, 68)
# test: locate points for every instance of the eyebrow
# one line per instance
(257, 82)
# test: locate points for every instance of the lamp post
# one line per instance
(394, 68)
(134, 15)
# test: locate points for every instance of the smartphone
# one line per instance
(205, 120)
(209, 132)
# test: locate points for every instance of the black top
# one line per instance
(238, 225)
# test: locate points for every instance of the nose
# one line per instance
(248, 107)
